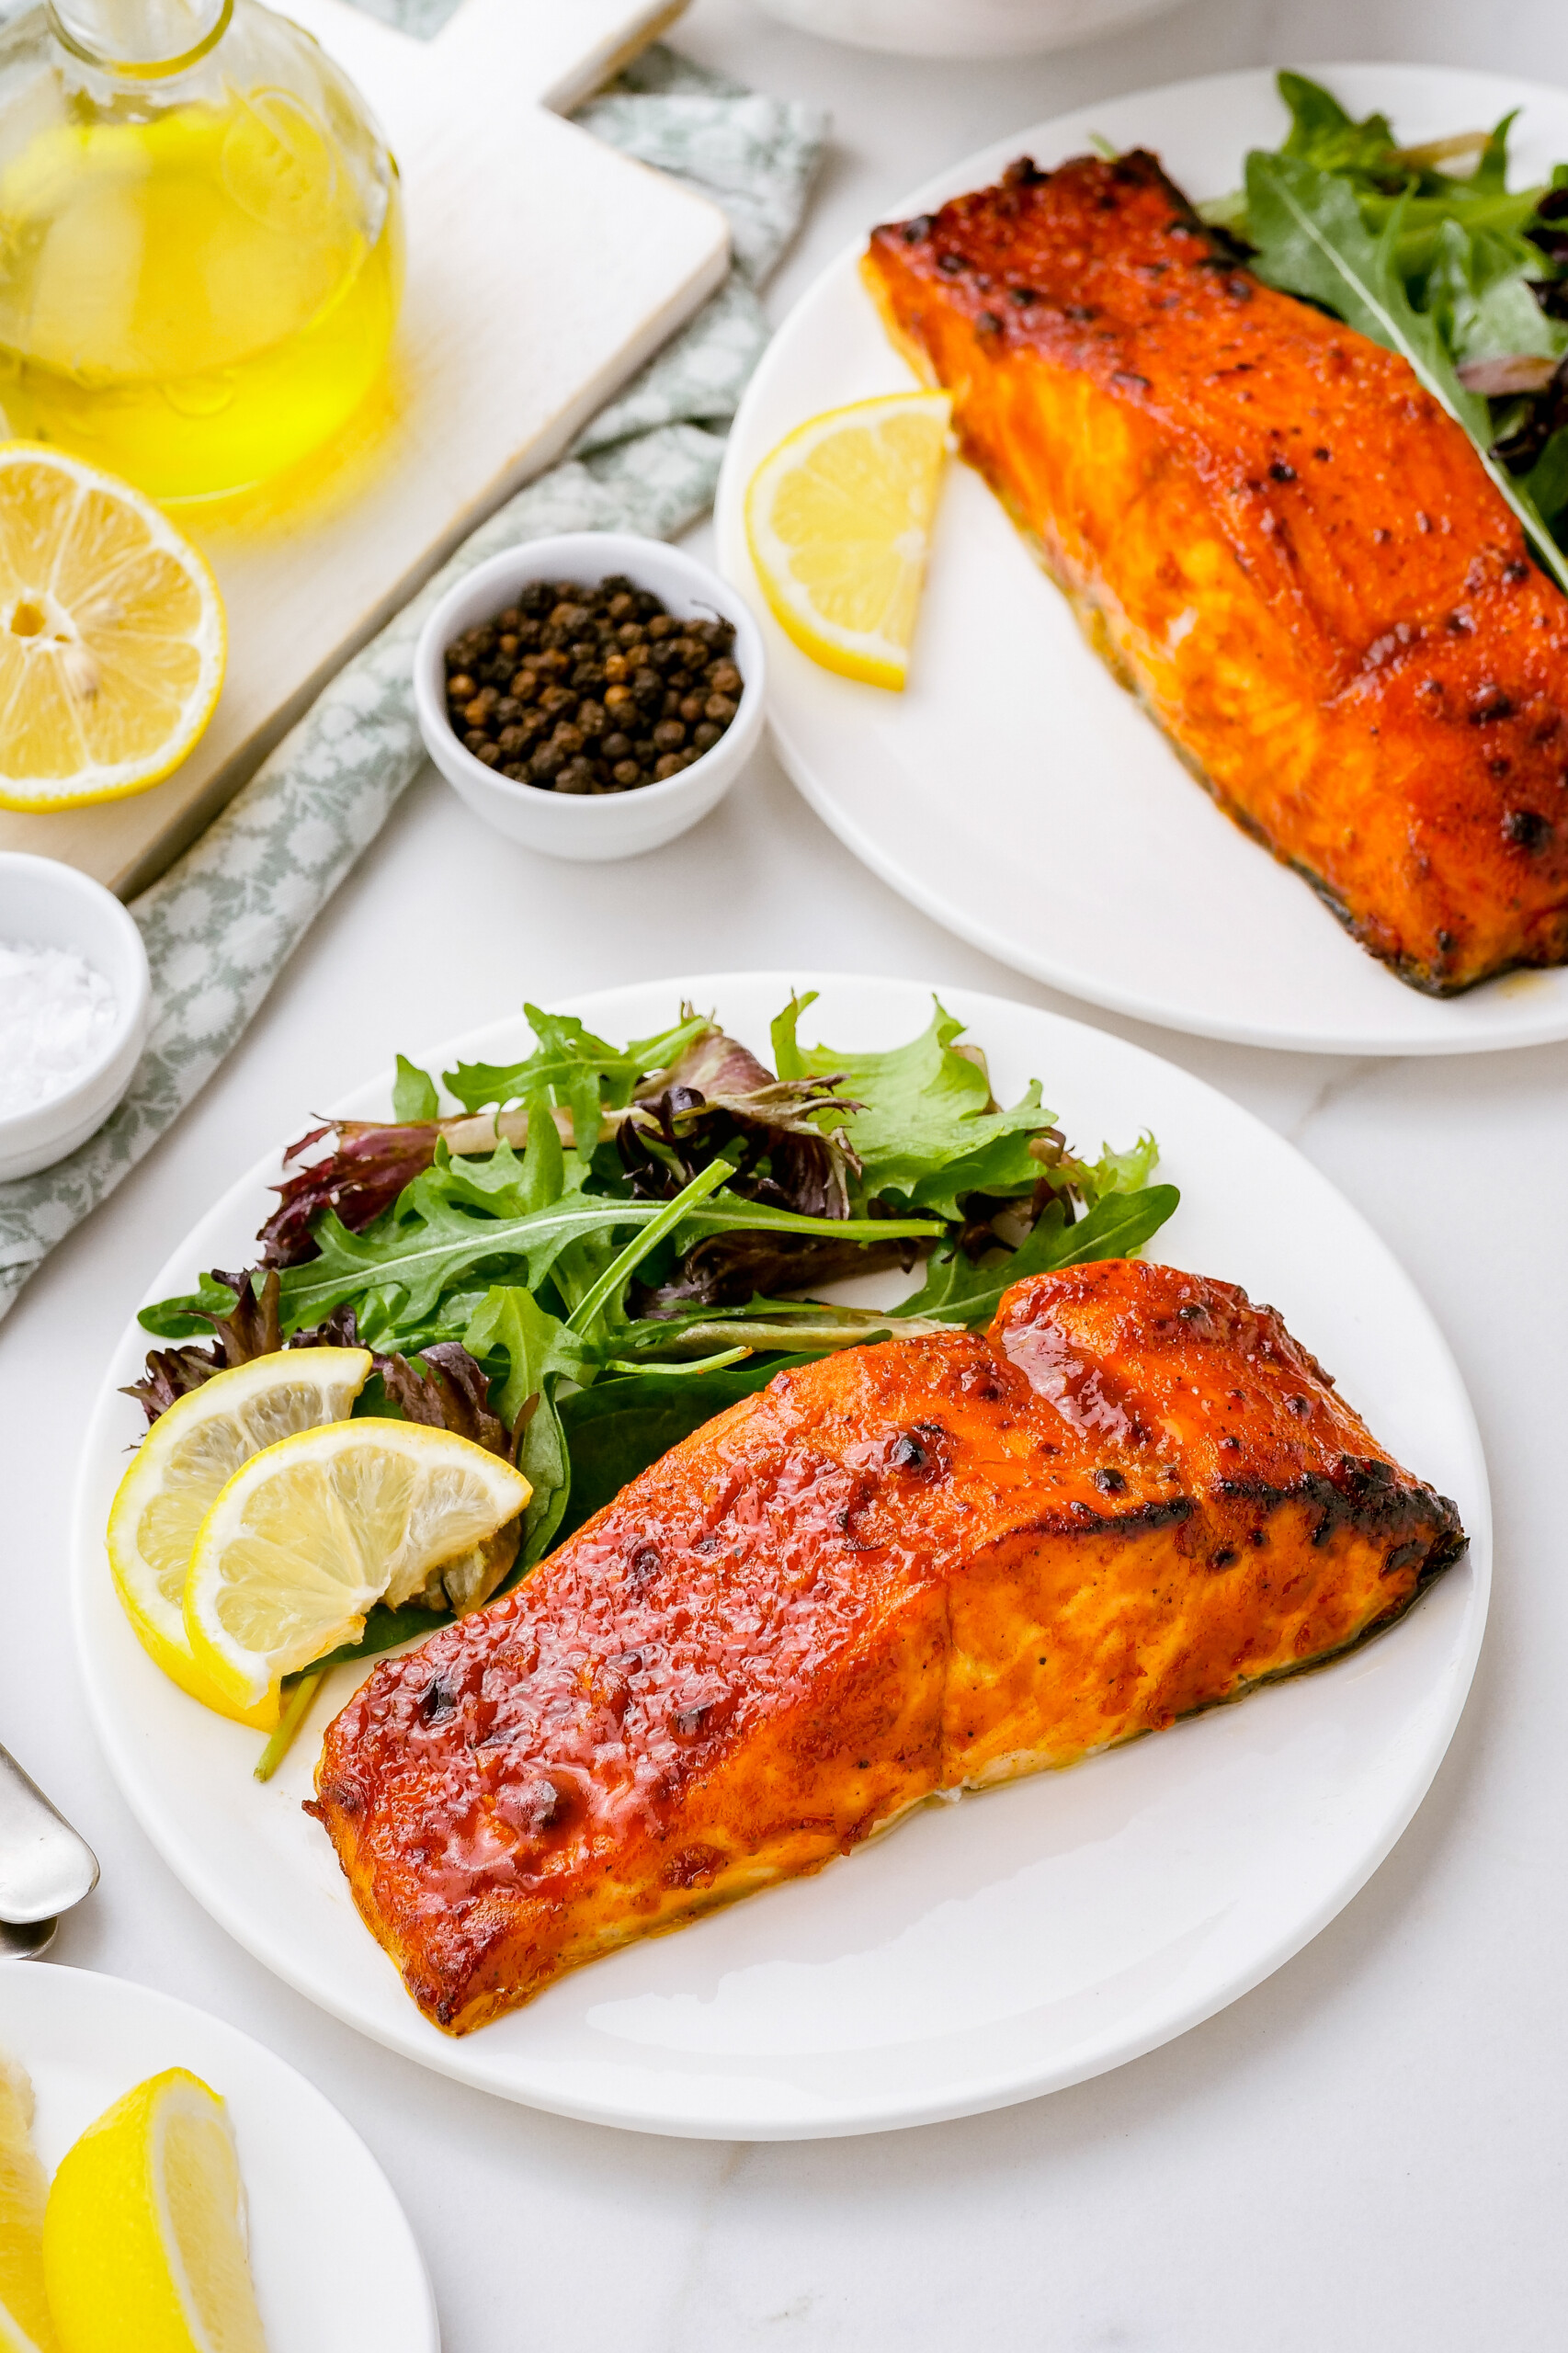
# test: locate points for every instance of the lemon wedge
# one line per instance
(112, 634)
(840, 523)
(183, 1464)
(25, 2323)
(305, 1537)
(145, 2238)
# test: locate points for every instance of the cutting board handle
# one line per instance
(556, 52)
(541, 52)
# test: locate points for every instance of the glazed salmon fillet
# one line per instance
(1287, 548)
(916, 1567)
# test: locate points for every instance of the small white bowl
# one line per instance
(962, 28)
(45, 904)
(589, 826)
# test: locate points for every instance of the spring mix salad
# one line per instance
(577, 1259)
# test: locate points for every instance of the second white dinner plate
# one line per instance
(985, 1951)
(332, 2258)
(1014, 792)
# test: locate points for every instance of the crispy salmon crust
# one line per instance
(1286, 548)
(916, 1567)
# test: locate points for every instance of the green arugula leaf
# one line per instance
(430, 1239)
(536, 1346)
(1312, 241)
(570, 1064)
(414, 1093)
(1324, 134)
(606, 1293)
(501, 1183)
(957, 1292)
(189, 1314)
(805, 1327)
(540, 1352)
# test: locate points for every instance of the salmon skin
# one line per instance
(907, 1569)
(1287, 548)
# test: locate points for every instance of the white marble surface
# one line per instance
(1368, 2152)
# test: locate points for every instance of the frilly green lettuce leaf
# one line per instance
(925, 1132)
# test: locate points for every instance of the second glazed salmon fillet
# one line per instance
(1277, 539)
(926, 1565)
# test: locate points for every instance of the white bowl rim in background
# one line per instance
(90, 921)
(590, 825)
(962, 28)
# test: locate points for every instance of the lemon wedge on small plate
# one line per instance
(25, 2323)
(182, 1466)
(309, 1536)
(839, 517)
(113, 640)
(145, 2236)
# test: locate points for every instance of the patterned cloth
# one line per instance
(223, 921)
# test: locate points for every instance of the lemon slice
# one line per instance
(184, 1463)
(25, 2323)
(144, 2239)
(111, 635)
(307, 1537)
(840, 523)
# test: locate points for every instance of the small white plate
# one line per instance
(985, 1951)
(1014, 792)
(333, 2259)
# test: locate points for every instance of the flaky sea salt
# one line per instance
(56, 1012)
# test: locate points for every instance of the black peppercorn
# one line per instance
(589, 689)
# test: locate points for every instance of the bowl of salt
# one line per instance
(75, 1001)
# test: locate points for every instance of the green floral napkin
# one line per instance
(223, 922)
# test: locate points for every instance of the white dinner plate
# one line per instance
(1014, 792)
(985, 1951)
(333, 2259)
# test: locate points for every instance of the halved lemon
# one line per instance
(840, 523)
(305, 1538)
(144, 2240)
(25, 2323)
(182, 1466)
(112, 643)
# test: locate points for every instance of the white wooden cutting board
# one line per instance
(543, 269)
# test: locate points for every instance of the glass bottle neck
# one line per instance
(144, 40)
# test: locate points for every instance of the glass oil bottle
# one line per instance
(201, 240)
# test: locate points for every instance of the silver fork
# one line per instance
(45, 1866)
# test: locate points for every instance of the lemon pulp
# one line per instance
(839, 519)
(113, 640)
(185, 1461)
(145, 2236)
(25, 2323)
(192, 302)
(309, 1535)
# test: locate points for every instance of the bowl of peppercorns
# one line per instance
(591, 694)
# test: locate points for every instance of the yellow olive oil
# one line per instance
(194, 300)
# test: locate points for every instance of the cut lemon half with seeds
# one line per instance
(112, 634)
(183, 1465)
(145, 2238)
(309, 1536)
(839, 523)
(25, 2323)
